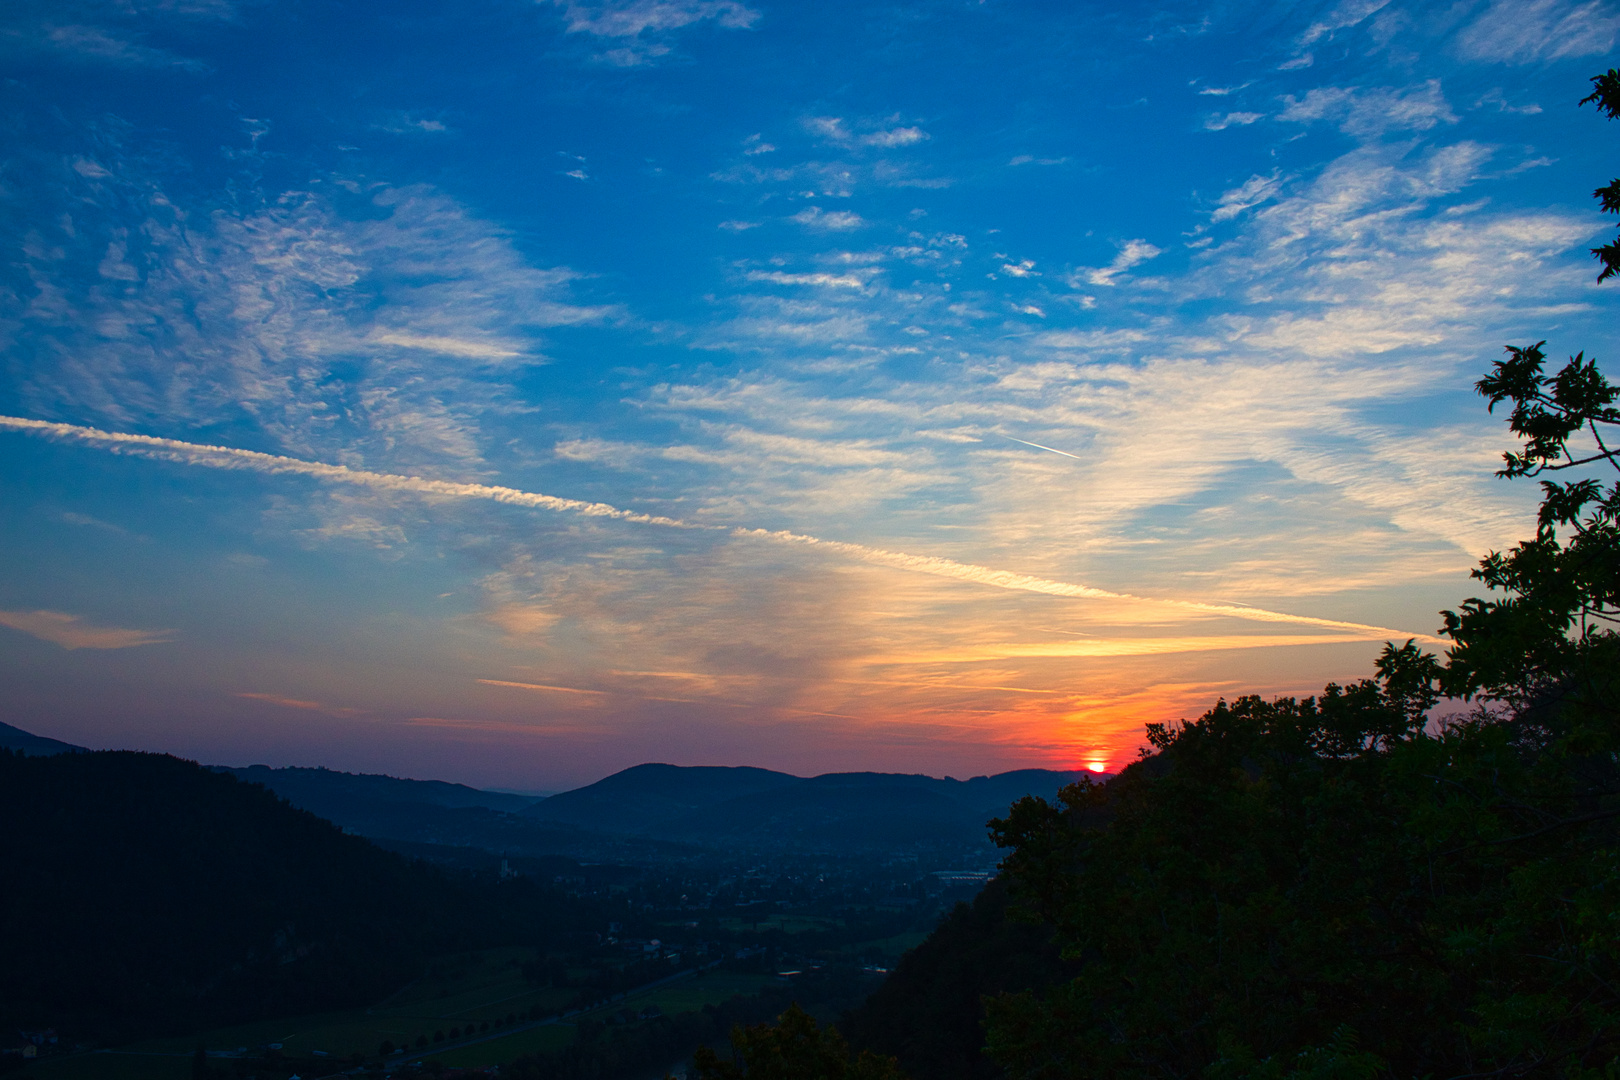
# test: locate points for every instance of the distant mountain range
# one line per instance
(653, 810)
(752, 807)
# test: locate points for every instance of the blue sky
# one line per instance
(934, 387)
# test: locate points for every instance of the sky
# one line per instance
(511, 392)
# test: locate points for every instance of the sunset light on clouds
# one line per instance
(514, 392)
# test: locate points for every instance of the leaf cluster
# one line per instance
(1606, 96)
(1552, 629)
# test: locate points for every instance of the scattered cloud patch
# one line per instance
(75, 632)
(636, 17)
(1222, 121)
(472, 350)
(1252, 192)
(1348, 13)
(832, 129)
(1371, 113)
(835, 220)
(300, 703)
(833, 281)
(1132, 253)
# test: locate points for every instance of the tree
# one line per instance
(1552, 634)
(1606, 96)
(794, 1048)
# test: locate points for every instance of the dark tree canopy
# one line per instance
(1606, 96)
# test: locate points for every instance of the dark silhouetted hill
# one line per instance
(645, 798)
(145, 894)
(25, 742)
(758, 807)
(928, 1012)
(333, 794)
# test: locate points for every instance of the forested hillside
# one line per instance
(145, 894)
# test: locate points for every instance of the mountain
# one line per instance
(147, 894)
(644, 798)
(716, 806)
(308, 787)
(25, 742)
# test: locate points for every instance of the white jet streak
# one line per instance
(226, 457)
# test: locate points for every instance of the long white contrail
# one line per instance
(226, 457)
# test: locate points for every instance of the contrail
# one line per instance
(226, 457)
(1038, 446)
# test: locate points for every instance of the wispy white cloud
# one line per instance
(332, 334)
(1371, 113)
(817, 218)
(1531, 31)
(76, 632)
(837, 281)
(1345, 14)
(1251, 193)
(641, 29)
(631, 18)
(833, 129)
(1131, 253)
(1222, 121)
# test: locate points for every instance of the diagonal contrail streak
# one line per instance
(226, 457)
(1038, 446)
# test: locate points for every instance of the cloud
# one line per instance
(1132, 253)
(642, 28)
(837, 220)
(1220, 122)
(110, 46)
(1371, 113)
(836, 281)
(307, 706)
(472, 350)
(1090, 339)
(1251, 193)
(329, 332)
(1347, 13)
(637, 17)
(220, 457)
(74, 632)
(94, 523)
(1532, 31)
(1128, 646)
(905, 136)
(832, 129)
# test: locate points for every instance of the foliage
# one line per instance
(1553, 633)
(1245, 903)
(794, 1048)
(927, 1012)
(1606, 96)
(604, 1051)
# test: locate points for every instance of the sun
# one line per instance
(1097, 766)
